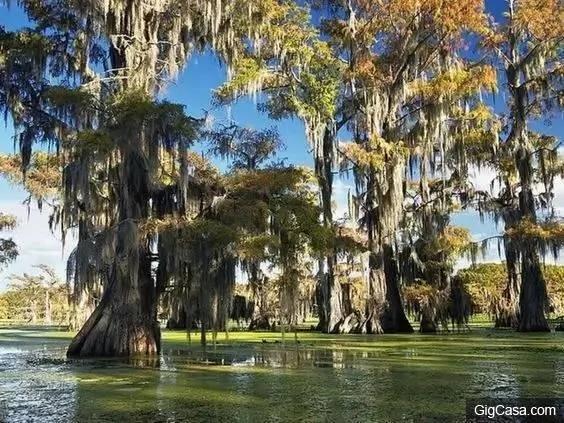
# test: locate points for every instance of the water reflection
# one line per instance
(288, 357)
(270, 382)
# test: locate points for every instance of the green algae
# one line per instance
(257, 377)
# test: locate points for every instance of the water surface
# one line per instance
(256, 377)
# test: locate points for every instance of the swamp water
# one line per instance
(254, 377)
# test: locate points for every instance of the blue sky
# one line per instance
(193, 88)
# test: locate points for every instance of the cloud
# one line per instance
(482, 178)
(341, 189)
(558, 202)
(36, 243)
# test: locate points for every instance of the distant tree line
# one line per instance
(36, 299)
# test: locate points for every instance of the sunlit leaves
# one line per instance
(453, 240)
(269, 181)
(34, 297)
(551, 231)
(542, 19)
(442, 251)
(261, 247)
(7, 222)
(166, 123)
(457, 83)
(92, 142)
(60, 97)
(43, 176)
(23, 51)
(190, 231)
(486, 283)
(375, 154)
(249, 76)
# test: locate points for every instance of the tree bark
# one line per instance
(124, 322)
(82, 308)
(260, 315)
(331, 297)
(331, 306)
(48, 319)
(178, 319)
(375, 305)
(394, 320)
(508, 313)
(427, 324)
(430, 231)
(533, 298)
(384, 309)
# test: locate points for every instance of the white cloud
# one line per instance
(559, 196)
(341, 188)
(36, 243)
(482, 178)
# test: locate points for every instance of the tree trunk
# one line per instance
(124, 322)
(427, 324)
(178, 319)
(259, 313)
(203, 333)
(375, 304)
(508, 313)
(347, 300)
(82, 308)
(260, 322)
(48, 319)
(430, 231)
(533, 298)
(384, 312)
(330, 307)
(33, 312)
(351, 324)
(384, 309)
(331, 299)
(394, 320)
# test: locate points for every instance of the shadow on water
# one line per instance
(358, 379)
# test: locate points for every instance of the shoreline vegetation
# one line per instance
(43, 302)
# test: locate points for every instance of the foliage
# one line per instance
(7, 222)
(36, 298)
(246, 148)
(550, 232)
(486, 283)
(8, 248)
(42, 178)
